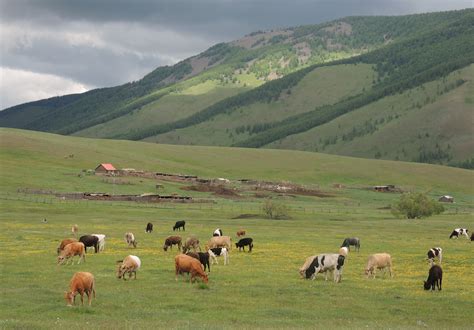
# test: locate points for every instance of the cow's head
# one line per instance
(69, 297)
(426, 285)
(61, 260)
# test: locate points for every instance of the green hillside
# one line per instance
(276, 88)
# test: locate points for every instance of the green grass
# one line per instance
(260, 289)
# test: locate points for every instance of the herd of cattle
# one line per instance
(334, 262)
(195, 263)
(192, 262)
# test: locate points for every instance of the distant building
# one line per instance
(105, 168)
(446, 199)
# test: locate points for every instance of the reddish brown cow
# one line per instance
(71, 250)
(187, 264)
(170, 241)
(65, 242)
(81, 282)
(241, 233)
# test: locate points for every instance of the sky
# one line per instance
(52, 47)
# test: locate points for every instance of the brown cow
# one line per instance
(81, 282)
(71, 250)
(191, 242)
(241, 233)
(187, 264)
(65, 242)
(172, 240)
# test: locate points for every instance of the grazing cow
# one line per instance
(170, 241)
(128, 265)
(187, 264)
(75, 230)
(344, 251)
(378, 261)
(65, 242)
(191, 243)
(307, 263)
(217, 232)
(216, 252)
(324, 263)
(355, 241)
(458, 232)
(435, 277)
(220, 241)
(90, 241)
(433, 253)
(149, 227)
(130, 239)
(101, 238)
(241, 244)
(81, 282)
(70, 251)
(241, 233)
(203, 257)
(179, 224)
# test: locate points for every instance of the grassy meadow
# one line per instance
(261, 289)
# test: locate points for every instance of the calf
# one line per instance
(435, 277)
(101, 238)
(70, 251)
(170, 241)
(149, 227)
(378, 261)
(187, 264)
(241, 244)
(65, 242)
(179, 224)
(81, 282)
(241, 233)
(203, 257)
(130, 240)
(217, 232)
(355, 241)
(191, 243)
(325, 263)
(433, 253)
(220, 241)
(215, 252)
(90, 241)
(128, 265)
(458, 232)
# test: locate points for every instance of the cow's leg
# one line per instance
(82, 298)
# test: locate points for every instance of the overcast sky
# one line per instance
(53, 47)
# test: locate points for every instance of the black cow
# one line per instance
(435, 277)
(203, 257)
(355, 241)
(149, 228)
(245, 242)
(179, 224)
(472, 237)
(90, 241)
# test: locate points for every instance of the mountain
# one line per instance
(377, 87)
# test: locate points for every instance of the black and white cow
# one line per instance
(90, 241)
(179, 224)
(458, 232)
(355, 241)
(435, 277)
(149, 227)
(216, 252)
(217, 232)
(433, 253)
(323, 263)
(242, 243)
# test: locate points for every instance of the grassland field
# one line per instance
(261, 289)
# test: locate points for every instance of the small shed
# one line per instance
(105, 168)
(446, 199)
